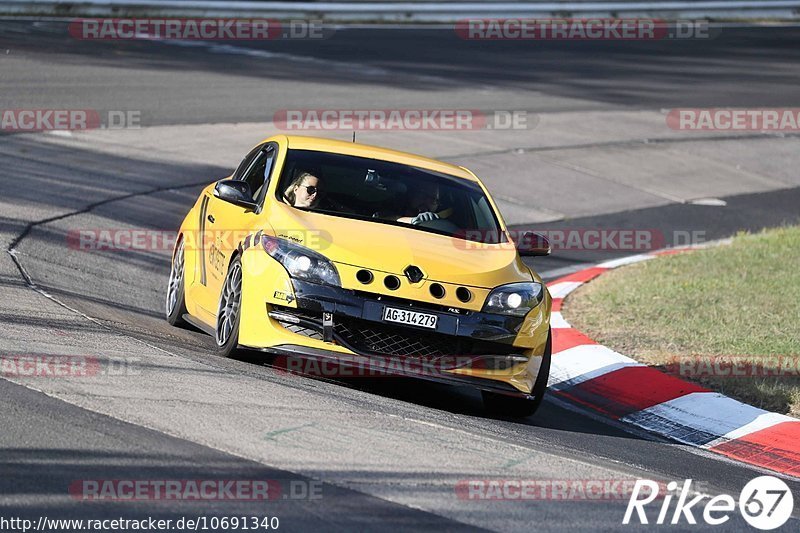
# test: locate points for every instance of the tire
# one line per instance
(229, 311)
(175, 305)
(510, 406)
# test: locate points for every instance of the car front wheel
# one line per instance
(229, 313)
(176, 299)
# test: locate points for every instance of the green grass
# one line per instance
(740, 300)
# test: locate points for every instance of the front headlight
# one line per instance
(515, 299)
(301, 262)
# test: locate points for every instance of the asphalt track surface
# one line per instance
(389, 452)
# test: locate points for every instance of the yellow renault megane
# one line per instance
(368, 257)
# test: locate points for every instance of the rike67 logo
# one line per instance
(765, 503)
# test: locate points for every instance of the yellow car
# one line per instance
(371, 258)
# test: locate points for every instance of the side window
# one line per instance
(257, 176)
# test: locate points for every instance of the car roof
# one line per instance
(301, 142)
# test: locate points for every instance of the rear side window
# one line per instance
(246, 162)
(257, 176)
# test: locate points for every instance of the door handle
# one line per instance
(210, 218)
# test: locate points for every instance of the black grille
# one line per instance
(373, 338)
(301, 330)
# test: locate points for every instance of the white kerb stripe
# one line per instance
(561, 289)
(586, 361)
(557, 321)
(709, 412)
(614, 263)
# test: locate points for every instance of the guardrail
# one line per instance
(420, 11)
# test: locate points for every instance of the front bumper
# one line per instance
(487, 351)
(342, 365)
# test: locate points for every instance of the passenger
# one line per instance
(304, 191)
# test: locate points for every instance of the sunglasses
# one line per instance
(311, 189)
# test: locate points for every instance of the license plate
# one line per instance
(412, 318)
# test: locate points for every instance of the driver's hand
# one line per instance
(427, 216)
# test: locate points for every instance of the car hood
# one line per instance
(390, 248)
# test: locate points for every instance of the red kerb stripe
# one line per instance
(566, 338)
(630, 389)
(582, 275)
(776, 448)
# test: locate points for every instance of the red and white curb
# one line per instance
(616, 386)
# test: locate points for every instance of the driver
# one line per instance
(423, 204)
(303, 191)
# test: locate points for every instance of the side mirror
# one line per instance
(235, 192)
(532, 244)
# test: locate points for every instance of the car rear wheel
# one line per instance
(229, 313)
(510, 406)
(176, 299)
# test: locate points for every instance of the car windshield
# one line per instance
(389, 193)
